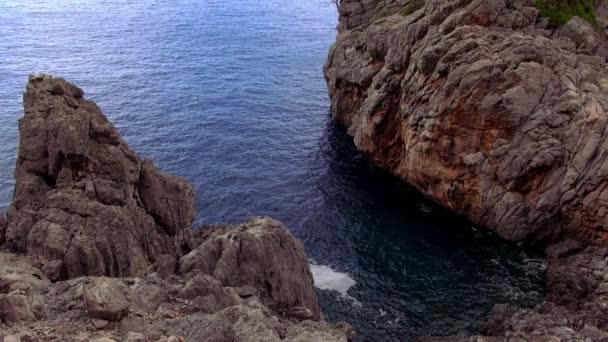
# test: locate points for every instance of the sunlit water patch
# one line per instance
(230, 95)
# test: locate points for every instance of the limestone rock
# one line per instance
(488, 111)
(14, 308)
(262, 254)
(147, 297)
(135, 337)
(481, 108)
(2, 228)
(86, 207)
(106, 299)
(85, 203)
(18, 275)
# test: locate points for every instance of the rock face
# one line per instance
(85, 203)
(482, 107)
(488, 110)
(110, 254)
(263, 255)
(106, 298)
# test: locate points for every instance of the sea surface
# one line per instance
(230, 95)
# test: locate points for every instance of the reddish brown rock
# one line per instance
(85, 203)
(481, 107)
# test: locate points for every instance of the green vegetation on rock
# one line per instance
(560, 12)
(412, 7)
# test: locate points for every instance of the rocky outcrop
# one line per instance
(143, 309)
(489, 110)
(109, 252)
(85, 203)
(260, 254)
(481, 106)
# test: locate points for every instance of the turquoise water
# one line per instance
(230, 95)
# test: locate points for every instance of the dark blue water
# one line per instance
(229, 94)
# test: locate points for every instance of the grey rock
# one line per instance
(262, 254)
(85, 203)
(18, 275)
(106, 299)
(87, 207)
(136, 337)
(14, 308)
(99, 323)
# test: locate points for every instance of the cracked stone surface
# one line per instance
(482, 107)
(489, 111)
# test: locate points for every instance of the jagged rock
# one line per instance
(18, 275)
(262, 254)
(85, 203)
(489, 111)
(136, 337)
(106, 299)
(2, 228)
(14, 308)
(481, 107)
(147, 297)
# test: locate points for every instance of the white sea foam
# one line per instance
(328, 279)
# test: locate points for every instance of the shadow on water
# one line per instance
(419, 270)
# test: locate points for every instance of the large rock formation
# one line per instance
(481, 106)
(142, 309)
(490, 110)
(110, 252)
(263, 255)
(85, 203)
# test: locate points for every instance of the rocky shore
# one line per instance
(98, 245)
(492, 110)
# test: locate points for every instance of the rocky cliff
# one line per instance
(481, 105)
(498, 113)
(101, 247)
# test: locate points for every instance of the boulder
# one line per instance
(262, 254)
(85, 203)
(2, 228)
(14, 308)
(106, 299)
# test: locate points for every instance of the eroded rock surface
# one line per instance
(482, 107)
(263, 255)
(146, 309)
(108, 252)
(85, 203)
(488, 110)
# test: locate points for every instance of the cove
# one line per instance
(230, 95)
